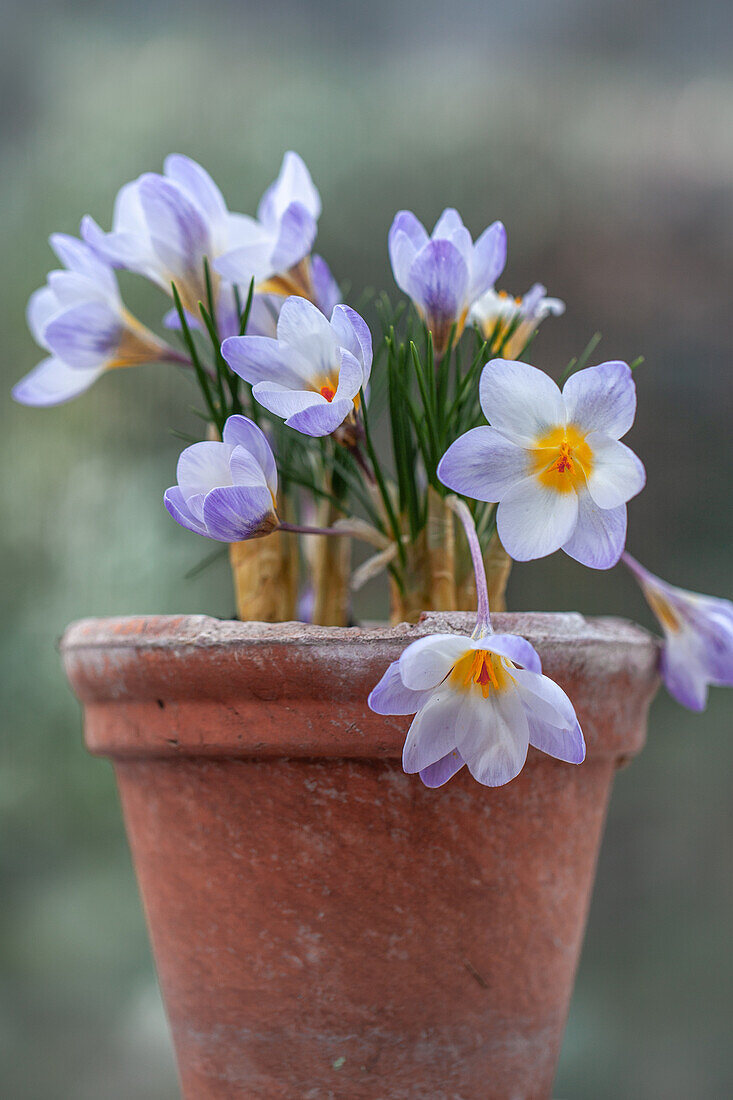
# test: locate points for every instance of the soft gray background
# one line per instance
(600, 133)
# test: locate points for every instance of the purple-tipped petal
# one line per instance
(483, 465)
(407, 236)
(53, 382)
(259, 359)
(176, 505)
(426, 662)
(683, 677)
(563, 744)
(432, 734)
(319, 419)
(200, 187)
(238, 512)
(438, 282)
(435, 775)
(514, 648)
(521, 402)
(533, 521)
(85, 336)
(616, 473)
(178, 231)
(489, 259)
(240, 431)
(297, 232)
(599, 536)
(77, 256)
(601, 399)
(352, 333)
(390, 696)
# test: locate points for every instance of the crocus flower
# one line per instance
(227, 491)
(507, 323)
(311, 374)
(552, 460)
(444, 274)
(273, 248)
(165, 225)
(698, 632)
(80, 319)
(479, 701)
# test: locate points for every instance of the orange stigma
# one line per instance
(328, 392)
(482, 669)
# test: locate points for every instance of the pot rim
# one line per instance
(173, 685)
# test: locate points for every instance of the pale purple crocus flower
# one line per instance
(446, 273)
(479, 701)
(552, 461)
(227, 490)
(274, 247)
(698, 637)
(508, 322)
(165, 225)
(80, 319)
(312, 372)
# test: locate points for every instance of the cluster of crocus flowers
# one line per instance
(286, 387)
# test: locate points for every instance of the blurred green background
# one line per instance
(600, 132)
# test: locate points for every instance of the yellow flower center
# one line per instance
(561, 459)
(479, 668)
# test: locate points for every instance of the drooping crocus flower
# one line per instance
(164, 227)
(311, 374)
(227, 491)
(552, 460)
(698, 633)
(444, 274)
(80, 319)
(274, 247)
(507, 322)
(479, 701)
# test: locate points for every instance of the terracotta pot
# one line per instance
(323, 925)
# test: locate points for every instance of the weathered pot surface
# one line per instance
(323, 925)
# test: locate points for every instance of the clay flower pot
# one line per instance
(323, 925)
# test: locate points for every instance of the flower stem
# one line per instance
(483, 619)
(304, 529)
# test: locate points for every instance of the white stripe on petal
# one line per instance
(534, 521)
(493, 736)
(426, 662)
(520, 401)
(483, 464)
(599, 537)
(616, 474)
(602, 399)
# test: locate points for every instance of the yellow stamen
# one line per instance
(663, 610)
(482, 669)
(561, 459)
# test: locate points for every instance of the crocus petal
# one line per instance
(601, 399)
(85, 336)
(261, 359)
(426, 662)
(534, 521)
(683, 676)
(483, 464)
(407, 236)
(432, 734)
(245, 469)
(302, 326)
(53, 382)
(202, 467)
(178, 232)
(42, 306)
(240, 431)
(325, 288)
(352, 333)
(238, 512)
(390, 696)
(293, 185)
(521, 402)
(176, 505)
(351, 377)
(489, 259)
(563, 744)
(544, 698)
(319, 419)
(599, 536)
(297, 232)
(251, 251)
(493, 737)
(435, 775)
(200, 186)
(77, 256)
(438, 282)
(513, 647)
(449, 223)
(616, 475)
